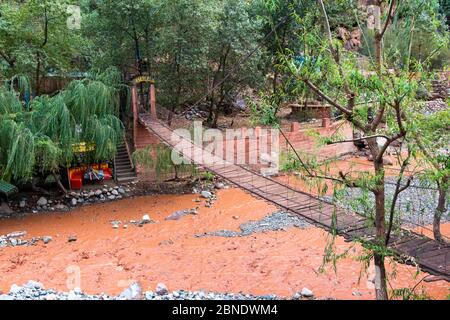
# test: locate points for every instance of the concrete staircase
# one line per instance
(124, 169)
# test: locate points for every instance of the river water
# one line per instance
(104, 259)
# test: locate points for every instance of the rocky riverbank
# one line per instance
(32, 203)
(26, 203)
(34, 290)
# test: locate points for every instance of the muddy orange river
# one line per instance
(107, 260)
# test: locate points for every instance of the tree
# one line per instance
(39, 142)
(377, 102)
(34, 39)
(235, 36)
(122, 33)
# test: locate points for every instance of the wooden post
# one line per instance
(326, 122)
(295, 126)
(257, 137)
(153, 102)
(135, 113)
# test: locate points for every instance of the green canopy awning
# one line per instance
(7, 188)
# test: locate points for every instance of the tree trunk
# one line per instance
(58, 182)
(440, 210)
(38, 74)
(378, 51)
(380, 227)
(380, 278)
(38, 54)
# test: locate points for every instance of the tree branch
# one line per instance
(348, 113)
(359, 139)
(334, 51)
(388, 19)
(400, 134)
(397, 192)
(327, 24)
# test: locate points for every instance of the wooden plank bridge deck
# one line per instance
(410, 247)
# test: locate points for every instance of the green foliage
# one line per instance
(160, 159)
(265, 111)
(41, 140)
(22, 38)
(208, 176)
(409, 294)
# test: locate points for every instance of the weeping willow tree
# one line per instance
(159, 158)
(39, 140)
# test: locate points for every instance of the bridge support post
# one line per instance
(135, 113)
(153, 102)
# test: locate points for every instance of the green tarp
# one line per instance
(7, 188)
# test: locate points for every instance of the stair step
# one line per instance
(122, 160)
(125, 173)
(122, 180)
(126, 177)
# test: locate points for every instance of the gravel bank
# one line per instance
(416, 204)
(278, 221)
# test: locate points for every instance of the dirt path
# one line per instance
(281, 262)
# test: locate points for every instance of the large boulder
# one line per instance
(42, 201)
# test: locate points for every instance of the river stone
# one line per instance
(61, 207)
(34, 284)
(73, 296)
(146, 218)
(5, 209)
(115, 192)
(161, 289)
(306, 293)
(42, 201)
(16, 234)
(121, 191)
(219, 185)
(47, 239)
(22, 204)
(133, 292)
(98, 192)
(73, 202)
(179, 214)
(206, 194)
(15, 289)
